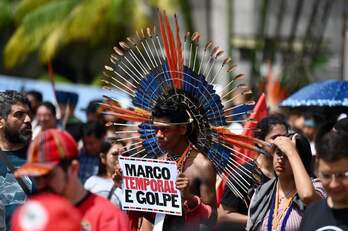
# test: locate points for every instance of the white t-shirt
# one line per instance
(102, 186)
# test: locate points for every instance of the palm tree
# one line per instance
(76, 34)
(48, 25)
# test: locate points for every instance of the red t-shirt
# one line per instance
(100, 214)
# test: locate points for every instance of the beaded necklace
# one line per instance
(182, 160)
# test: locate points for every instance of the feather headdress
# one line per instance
(153, 68)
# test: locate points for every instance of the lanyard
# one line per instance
(274, 218)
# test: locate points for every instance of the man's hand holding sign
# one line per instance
(149, 185)
(183, 183)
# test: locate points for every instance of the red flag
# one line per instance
(260, 111)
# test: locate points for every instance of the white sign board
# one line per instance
(149, 185)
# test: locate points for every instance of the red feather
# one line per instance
(164, 37)
(173, 55)
(179, 52)
(166, 45)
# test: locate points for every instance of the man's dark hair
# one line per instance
(266, 124)
(341, 124)
(9, 98)
(94, 128)
(175, 112)
(332, 146)
(50, 107)
(37, 95)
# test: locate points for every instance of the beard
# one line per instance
(21, 136)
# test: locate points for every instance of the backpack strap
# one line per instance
(9, 165)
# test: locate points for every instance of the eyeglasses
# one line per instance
(327, 177)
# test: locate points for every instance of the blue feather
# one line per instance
(219, 155)
(148, 135)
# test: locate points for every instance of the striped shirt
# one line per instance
(295, 217)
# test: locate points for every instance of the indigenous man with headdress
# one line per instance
(196, 181)
(178, 114)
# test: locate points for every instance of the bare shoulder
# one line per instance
(203, 163)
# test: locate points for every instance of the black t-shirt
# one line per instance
(230, 200)
(318, 216)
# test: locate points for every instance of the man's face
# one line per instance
(45, 118)
(92, 144)
(335, 186)
(55, 181)
(17, 127)
(168, 137)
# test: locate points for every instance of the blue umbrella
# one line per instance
(330, 93)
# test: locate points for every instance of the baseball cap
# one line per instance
(46, 212)
(46, 151)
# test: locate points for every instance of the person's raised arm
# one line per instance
(303, 182)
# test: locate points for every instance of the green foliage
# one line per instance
(47, 25)
(168, 5)
(57, 78)
(6, 16)
(34, 30)
(26, 7)
(97, 81)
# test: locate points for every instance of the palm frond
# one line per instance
(98, 20)
(6, 15)
(27, 7)
(34, 29)
(47, 25)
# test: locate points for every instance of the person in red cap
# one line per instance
(46, 212)
(53, 165)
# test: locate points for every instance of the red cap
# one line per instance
(46, 212)
(46, 151)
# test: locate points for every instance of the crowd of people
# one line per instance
(58, 173)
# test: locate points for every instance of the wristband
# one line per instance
(188, 209)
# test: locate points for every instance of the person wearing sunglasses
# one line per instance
(332, 170)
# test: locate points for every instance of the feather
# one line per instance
(173, 55)
(127, 117)
(125, 111)
(167, 38)
(223, 132)
(179, 54)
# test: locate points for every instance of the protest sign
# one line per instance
(149, 185)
